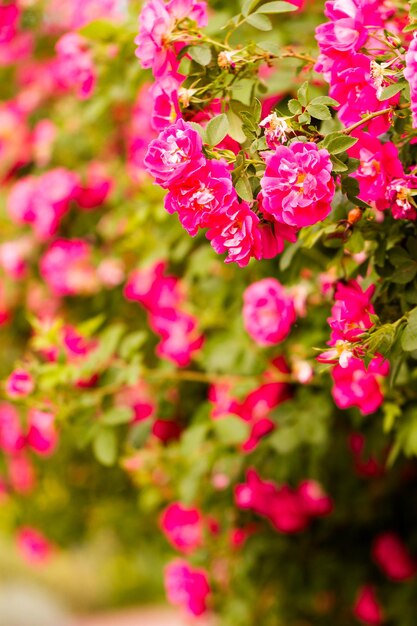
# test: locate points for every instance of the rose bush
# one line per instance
(208, 290)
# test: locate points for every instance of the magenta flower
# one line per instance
(43, 201)
(399, 198)
(153, 289)
(33, 546)
(187, 587)
(12, 438)
(42, 435)
(20, 383)
(180, 337)
(175, 154)
(268, 312)
(165, 103)
(21, 473)
(298, 187)
(379, 165)
(96, 188)
(157, 22)
(182, 526)
(410, 73)
(367, 608)
(75, 66)
(66, 267)
(241, 234)
(200, 198)
(358, 386)
(351, 84)
(350, 315)
(392, 556)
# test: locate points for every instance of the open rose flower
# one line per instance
(297, 186)
(268, 312)
(187, 587)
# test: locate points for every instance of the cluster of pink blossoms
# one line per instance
(201, 192)
(256, 407)
(354, 383)
(75, 66)
(161, 296)
(268, 312)
(40, 437)
(288, 510)
(353, 77)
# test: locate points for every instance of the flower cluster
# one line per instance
(161, 296)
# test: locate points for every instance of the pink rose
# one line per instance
(297, 188)
(42, 436)
(66, 267)
(358, 385)
(33, 546)
(367, 608)
(392, 556)
(75, 66)
(182, 526)
(175, 154)
(20, 383)
(187, 587)
(268, 312)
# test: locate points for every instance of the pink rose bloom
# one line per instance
(187, 587)
(350, 315)
(9, 19)
(180, 337)
(43, 201)
(282, 506)
(153, 289)
(33, 546)
(12, 439)
(200, 198)
(399, 198)
(21, 473)
(75, 68)
(20, 383)
(182, 526)
(268, 312)
(166, 430)
(96, 188)
(297, 186)
(410, 74)
(356, 385)
(392, 556)
(315, 501)
(353, 87)
(165, 102)
(379, 165)
(42, 436)
(157, 22)
(14, 44)
(367, 608)
(238, 233)
(66, 267)
(175, 154)
(13, 256)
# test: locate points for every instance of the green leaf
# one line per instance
(319, 111)
(325, 100)
(132, 343)
(338, 165)
(305, 118)
(391, 90)
(276, 7)
(217, 129)
(294, 106)
(409, 336)
(302, 94)
(259, 21)
(105, 446)
(100, 30)
(235, 127)
(117, 415)
(244, 189)
(249, 6)
(270, 46)
(231, 430)
(336, 143)
(200, 54)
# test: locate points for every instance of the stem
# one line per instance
(366, 119)
(290, 54)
